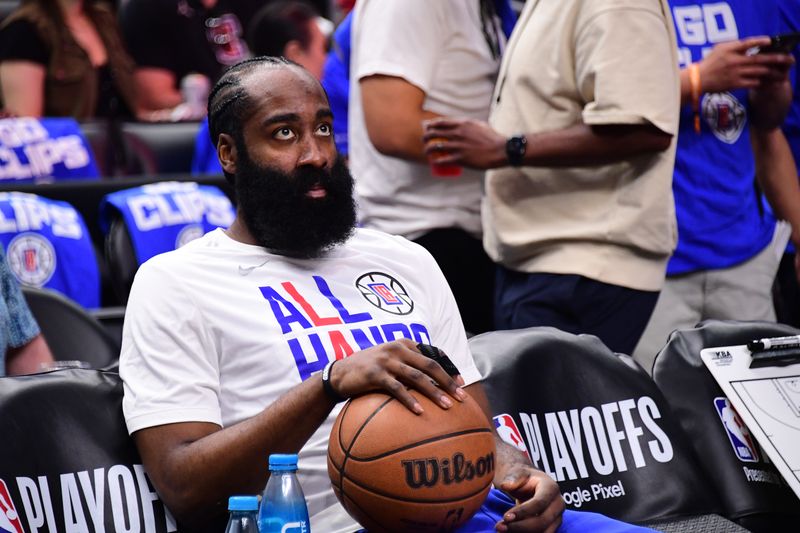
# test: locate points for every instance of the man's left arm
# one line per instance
(618, 120)
(772, 99)
(539, 504)
(777, 174)
(475, 144)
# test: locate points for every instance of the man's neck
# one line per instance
(238, 232)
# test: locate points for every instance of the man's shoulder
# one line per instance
(377, 240)
(195, 252)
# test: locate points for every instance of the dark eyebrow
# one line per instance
(294, 117)
(286, 117)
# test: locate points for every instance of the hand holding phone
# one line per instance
(781, 44)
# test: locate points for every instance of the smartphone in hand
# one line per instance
(781, 44)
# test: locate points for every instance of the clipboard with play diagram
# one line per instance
(767, 398)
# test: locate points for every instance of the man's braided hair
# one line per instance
(229, 102)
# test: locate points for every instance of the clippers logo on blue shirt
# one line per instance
(47, 245)
(744, 445)
(164, 216)
(46, 149)
(318, 327)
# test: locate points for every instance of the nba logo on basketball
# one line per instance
(744, 445)
(509, 432)
(9, 519)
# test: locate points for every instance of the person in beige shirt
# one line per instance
(578, 208)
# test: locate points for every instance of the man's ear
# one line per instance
(226, 152)
(294, 51)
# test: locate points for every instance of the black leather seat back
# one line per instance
(68, 462)
(595, 421)
(161, 148)
(70, 331)
(120, 258)
(749, 486)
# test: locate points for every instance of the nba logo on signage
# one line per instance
(509, 432)
(9, 519)
(744, 445)
(386, 294)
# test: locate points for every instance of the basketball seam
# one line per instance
(419, 443)
(355, 438)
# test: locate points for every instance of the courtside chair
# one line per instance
(693, 394)
(71, 332)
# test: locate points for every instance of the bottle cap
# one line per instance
(243, 503)
(283, 461)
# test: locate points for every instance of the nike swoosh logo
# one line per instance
(245, 271)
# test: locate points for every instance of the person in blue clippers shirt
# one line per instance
(725, 261)
(788, 291)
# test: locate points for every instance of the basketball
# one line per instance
(395, 471)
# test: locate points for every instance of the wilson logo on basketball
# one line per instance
(429, 472)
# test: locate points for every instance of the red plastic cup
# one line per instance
(443, 170)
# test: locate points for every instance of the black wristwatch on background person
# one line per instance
(515, 150)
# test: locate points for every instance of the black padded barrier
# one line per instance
(595, 421)
(68, 463)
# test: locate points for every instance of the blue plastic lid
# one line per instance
(283, 461)
(243, 503)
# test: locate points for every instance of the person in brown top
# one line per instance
(65, 58)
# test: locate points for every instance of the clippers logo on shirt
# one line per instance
(744, 445)
(9, 518)
(319, 323)
(509, 432)
(225, 34)
(385, 293)
(725, 115)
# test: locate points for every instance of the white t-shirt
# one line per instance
(218, 330)
(438, 46)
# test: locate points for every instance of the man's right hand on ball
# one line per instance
(395, 367)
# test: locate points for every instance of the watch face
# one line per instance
(515, 149)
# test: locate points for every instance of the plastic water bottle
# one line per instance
(283, 506)
(243, 514)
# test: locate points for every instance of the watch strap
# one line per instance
(326, 383)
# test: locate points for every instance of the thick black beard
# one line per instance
(280, 216)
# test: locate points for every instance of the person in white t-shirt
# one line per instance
(225, 339)
(413, 60)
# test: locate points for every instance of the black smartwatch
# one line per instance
(515, 150)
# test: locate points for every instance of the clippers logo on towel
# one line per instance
(32, 259)
(509, 432)
(744, 445)
(9, 518)
(385, 293)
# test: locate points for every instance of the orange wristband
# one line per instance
(695, 89)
